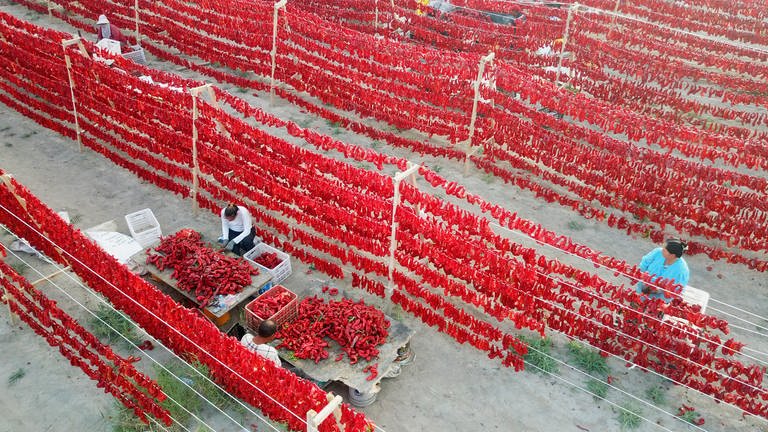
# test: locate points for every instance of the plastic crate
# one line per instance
(144, 227)
(287, 314)
(281, 271)
(137, 55)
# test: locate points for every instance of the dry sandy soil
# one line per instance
(448, 387)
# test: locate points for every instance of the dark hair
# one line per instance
(267, 328)
(231, 210)
(676, 247)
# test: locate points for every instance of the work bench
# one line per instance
(229, 304)
(362, 392)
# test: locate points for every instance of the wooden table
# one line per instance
(233, 303)
(352, 374)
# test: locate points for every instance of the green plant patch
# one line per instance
(202, 382)
(691, 416)
(112, 328)
(16, 376)
(657, 395)
(599, 389)
(629, 416)
(588, 359)
(19, 267)
(178, 390)
(539, 354)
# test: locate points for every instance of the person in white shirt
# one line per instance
(237, 228)
(258, 343)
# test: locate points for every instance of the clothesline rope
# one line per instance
(152, 313)
(628, 276)
(631, 18)
(631, 395)
(133, 345)
(32, 228)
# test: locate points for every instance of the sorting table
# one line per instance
(362, 391)
(228, 304)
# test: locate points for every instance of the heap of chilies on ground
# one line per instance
(400, 78)
(310, 208)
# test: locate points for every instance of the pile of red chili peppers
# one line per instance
(358, 328)
(199, 269)
(268, 260)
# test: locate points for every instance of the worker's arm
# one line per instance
(648, 259)
(224, 227)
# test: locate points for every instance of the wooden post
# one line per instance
(571, 11)
(315, 419)
(220, 127)
(7, 299)
(136, 10)
(278, 5)
(418, 206)
(412, 168)
(613, 19)
(57, 272)
(480, 70)
(48, 2)
(64, 45)
(6, 179)
(195, 165)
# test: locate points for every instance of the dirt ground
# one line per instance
(448, 387)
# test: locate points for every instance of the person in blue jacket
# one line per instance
(665, 262)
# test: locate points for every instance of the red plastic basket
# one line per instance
(286, 314)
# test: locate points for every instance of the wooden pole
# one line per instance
(136, 10)
(7, 299)
(278, 5)
(220, 127)
(412, 168)
(195, 164)
(480, 70)
(571, 11)
(57, 272)
(64, 45)
(315, 419)
(6, 179)
(613, 19)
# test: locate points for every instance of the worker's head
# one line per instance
(267, 329)
(230, 212)
(102, 21)
(675, 247)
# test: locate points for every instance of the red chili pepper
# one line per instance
(269, 260)
(356, 327)
(199, 269)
